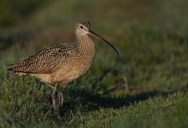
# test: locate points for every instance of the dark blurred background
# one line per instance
(13, 11)
(20, 19)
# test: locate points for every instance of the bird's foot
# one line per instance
(57, 99)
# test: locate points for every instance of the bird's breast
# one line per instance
(74, 68)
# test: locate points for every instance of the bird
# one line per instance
(61, 63)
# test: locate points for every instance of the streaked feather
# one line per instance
(44, 61)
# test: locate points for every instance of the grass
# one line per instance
(151, 37)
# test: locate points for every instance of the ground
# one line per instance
(145, 87)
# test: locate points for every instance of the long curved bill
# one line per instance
(100, 37)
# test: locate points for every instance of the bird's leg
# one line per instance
(57, 98)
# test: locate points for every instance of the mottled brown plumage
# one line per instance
(45, 61)
(62, 63)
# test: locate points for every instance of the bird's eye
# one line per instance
(81, 27)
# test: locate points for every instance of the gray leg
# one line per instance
(57, 98)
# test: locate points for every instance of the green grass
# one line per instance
(151, 37)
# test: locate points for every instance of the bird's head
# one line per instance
(84, 28)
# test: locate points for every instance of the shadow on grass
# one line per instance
(94, 102)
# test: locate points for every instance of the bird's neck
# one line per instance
(85, 42)
(86, 47)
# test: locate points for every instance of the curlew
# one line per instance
(61, 63)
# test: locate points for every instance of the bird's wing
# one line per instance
(45, 61)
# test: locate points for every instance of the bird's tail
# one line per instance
(11, 66)
(11, 69)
